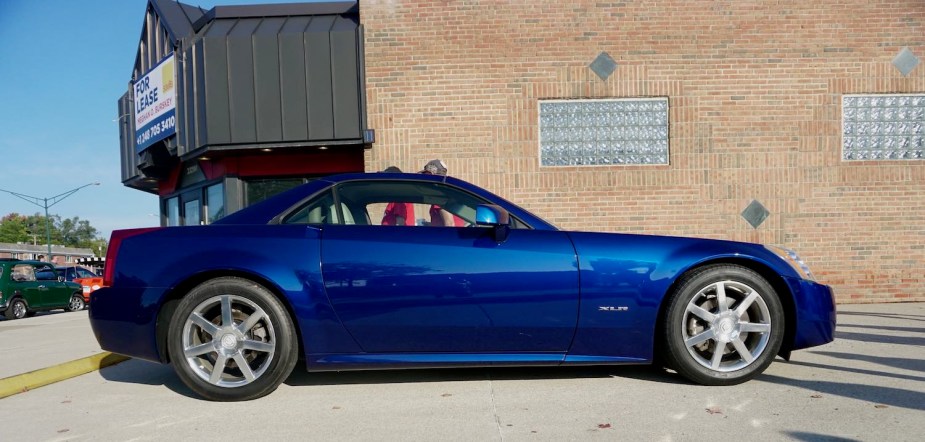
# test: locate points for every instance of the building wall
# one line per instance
(59, 254)
(755, 91)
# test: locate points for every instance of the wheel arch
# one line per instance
(173, 297)
(770, 275)
(76, 294)
(18, 296)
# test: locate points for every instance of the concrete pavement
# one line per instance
(48, 348)
(867, 385)
(47, 339)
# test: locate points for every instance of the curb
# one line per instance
(39, 378)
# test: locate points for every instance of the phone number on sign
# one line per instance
(153, 131)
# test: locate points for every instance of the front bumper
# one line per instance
(815, 313)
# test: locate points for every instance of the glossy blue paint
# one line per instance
(815, 313)
(368, 361)
(601, 360)
(284, 257)
(625, 278)
(369, 296)
(491, 215)
(452, 289)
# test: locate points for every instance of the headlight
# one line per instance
(794, 260)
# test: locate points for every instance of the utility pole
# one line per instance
(46, 203)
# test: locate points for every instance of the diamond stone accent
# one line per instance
(755, 213)
(603, 65)
(905, 61)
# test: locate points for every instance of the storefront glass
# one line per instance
(173, 211)
(215, 203)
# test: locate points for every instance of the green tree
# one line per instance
(70, 232)
(13, 228)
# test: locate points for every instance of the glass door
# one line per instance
(192, 208)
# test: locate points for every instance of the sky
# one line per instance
(63, 65)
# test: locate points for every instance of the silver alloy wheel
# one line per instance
(77, 303)
(228, 341)
(19, 309)
(726, 326)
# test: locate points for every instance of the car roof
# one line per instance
(28, 261)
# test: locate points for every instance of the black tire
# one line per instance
(17, 309)
(76, 303)
(268, 347)
(750, 326)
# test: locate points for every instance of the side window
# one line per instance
(22, 273)
(409, 203)
(45, 273)
(320, 210)
(84, 273)
(390, 202)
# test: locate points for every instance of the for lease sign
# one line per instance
(155, 104)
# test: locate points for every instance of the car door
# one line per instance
(54, 293)
(445, 289)
(23, 281)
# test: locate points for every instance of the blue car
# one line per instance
(469, 279)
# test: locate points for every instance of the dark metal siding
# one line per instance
(292, 80)
(318, 76)
(345, 79)
(215, 81)
(268, 93)
(250, 77)
(127, 138)
(242, 90)
(198, 123)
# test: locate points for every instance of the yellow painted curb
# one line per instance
(42, 377)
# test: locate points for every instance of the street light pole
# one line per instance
(44, 203)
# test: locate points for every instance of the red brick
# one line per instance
(755, 113)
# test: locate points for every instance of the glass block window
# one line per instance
(883, 127)
(604, 132)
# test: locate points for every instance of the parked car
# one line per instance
(88, 279)
(311, 274)
(27, 287)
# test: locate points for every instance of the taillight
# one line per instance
(113, 251)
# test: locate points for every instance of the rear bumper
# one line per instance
(815, 313)
(123, 323)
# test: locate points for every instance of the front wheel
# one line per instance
(723, 326)
(230, 339)
(76, 303)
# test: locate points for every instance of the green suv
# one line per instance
(27, 287)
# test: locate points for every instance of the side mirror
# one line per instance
(60, 279)
(491, 215)
(496, 217)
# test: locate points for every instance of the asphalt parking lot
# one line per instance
(867, 385)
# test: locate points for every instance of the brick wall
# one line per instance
(755, 93)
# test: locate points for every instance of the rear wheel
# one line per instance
(230, 339)
(17, 309)
(723, 326)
